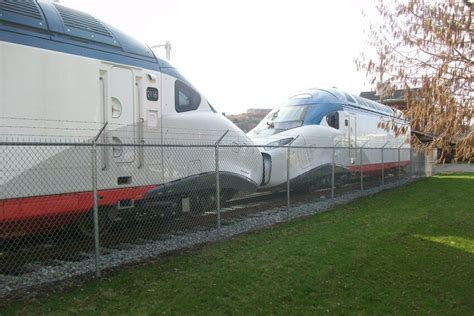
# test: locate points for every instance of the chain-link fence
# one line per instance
(68, 209)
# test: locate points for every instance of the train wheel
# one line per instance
(327, 181)
(227, 194)
(107, 217)
(200, 203)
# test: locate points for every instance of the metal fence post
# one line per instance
(333, 169)
(361, 170)
(95, 210)
(96, 202)
(383, 165)
(218, 190)
(288, 184)
(288, 179)
(399, 163)
(218, 185)
(383, 170)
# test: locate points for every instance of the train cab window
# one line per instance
(186, 99)
(333, 120)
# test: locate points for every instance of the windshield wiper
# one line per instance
(270, 125)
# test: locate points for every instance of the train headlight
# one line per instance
(280, 142)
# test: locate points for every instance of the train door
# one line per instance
(351, 135)
(148, 96)
(121, 113)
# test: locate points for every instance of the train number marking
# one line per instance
(152, 94)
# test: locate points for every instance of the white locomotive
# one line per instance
(63, 74)
(316, 120)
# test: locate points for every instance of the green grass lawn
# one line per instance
(408, 250)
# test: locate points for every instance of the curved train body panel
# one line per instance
(323, 119)
(63, 75)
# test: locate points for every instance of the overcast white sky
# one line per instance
(249, 53)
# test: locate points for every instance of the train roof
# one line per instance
(335, 96)
(48, 25)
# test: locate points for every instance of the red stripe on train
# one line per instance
(64, 204)
(378, 166)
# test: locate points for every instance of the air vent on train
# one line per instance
(27, 8)
(80, 20)
(83, 29)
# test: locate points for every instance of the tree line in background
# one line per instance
(425, 47)
(248, 120)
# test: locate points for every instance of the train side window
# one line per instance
(333, 120)
(185, 98)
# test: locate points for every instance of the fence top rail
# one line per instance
(88, 144)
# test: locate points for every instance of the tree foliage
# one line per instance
(428, 45)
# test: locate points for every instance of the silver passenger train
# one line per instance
(63, 74)
(320, 119)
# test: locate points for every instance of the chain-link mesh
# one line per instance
(45, 195)
(151, 199)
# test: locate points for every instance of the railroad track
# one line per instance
(18, 257)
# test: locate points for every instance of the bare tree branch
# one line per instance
(428, 46)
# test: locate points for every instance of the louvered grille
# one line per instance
(83, 21)
(26, 8)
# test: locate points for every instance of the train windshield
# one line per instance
(281, 119)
